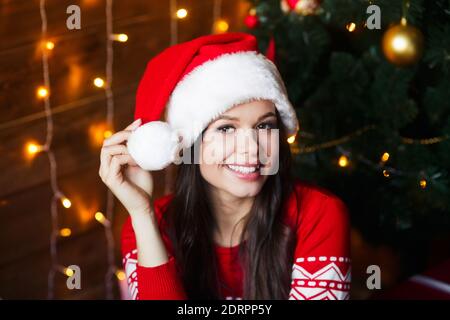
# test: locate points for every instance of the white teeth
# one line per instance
(242, 169)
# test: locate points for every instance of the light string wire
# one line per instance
(57, 194)
(110, 253)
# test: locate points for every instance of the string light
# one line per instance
(388, 171)
(42, 92)
(49, 45)
(385, 157)
(221, 26)
(110, 256)
(99, 82)
(68, 272)
(423, 183)
(66, 203)
(182, 13)
(32, 148)
(120, 37)
(291, 139)
(120, 274)
(65, 232)
(351, 26)
(107, 134)
(343, 161)
(100, 217)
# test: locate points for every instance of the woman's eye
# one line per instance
(226, 129)
(267, 125)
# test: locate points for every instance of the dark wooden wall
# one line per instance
(78, 57)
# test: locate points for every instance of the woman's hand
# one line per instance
(131, 184)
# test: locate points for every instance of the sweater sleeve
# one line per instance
(321, 268)
(149, 283)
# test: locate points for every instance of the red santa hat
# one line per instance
(192, 83)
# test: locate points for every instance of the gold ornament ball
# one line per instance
(307, 7)
(403, 44)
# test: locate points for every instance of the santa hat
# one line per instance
(192, 83)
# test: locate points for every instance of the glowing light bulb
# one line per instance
(120, 274)
(107, 134)
(66, 203)
(99, 82)
(182, 13)
(386, 173)
(385, 157)
(49, 45)
(69, 272)
(221, 26)
(343, 161)
(423, 183)
(120, 37)
(100, 217)
(351, 26)
(65, 232)
(33, 148)
(42, 92)
(291, 139)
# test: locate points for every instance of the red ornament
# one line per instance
(251, 21)
(303, 7)
(292, 3)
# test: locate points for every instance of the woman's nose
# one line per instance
(247, 142)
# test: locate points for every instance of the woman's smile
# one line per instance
(245, 172)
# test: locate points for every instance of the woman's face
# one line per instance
(240, 149)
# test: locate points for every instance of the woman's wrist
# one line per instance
(140, 217)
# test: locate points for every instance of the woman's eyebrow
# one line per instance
(225, 117)
(268, 114)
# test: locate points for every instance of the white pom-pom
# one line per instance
(153, 145)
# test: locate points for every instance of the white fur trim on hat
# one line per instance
(219, 84)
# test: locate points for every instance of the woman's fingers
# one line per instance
(134, 124)
(108, 151)
(118, 161)
(123, 135)
(117, 138)
(113, 147)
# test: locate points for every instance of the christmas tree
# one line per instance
(371, 83)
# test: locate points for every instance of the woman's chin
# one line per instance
(242, 187)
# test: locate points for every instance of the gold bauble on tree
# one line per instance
(403, 44)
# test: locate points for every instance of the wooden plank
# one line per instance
(78, 57)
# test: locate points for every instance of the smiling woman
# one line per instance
(237, 226)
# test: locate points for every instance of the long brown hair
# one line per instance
(266, 254)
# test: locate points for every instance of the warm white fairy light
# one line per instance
(65, 232)
(219, 25)
(351, 26)
(181, 13)
(49, 45)
(120, 37)
(43, 92)
(291, 139)
(389, 171)
(99, 82)
(107, 221)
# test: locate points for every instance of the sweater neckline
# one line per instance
(230, 250)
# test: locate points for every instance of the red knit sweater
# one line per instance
(321, 267)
